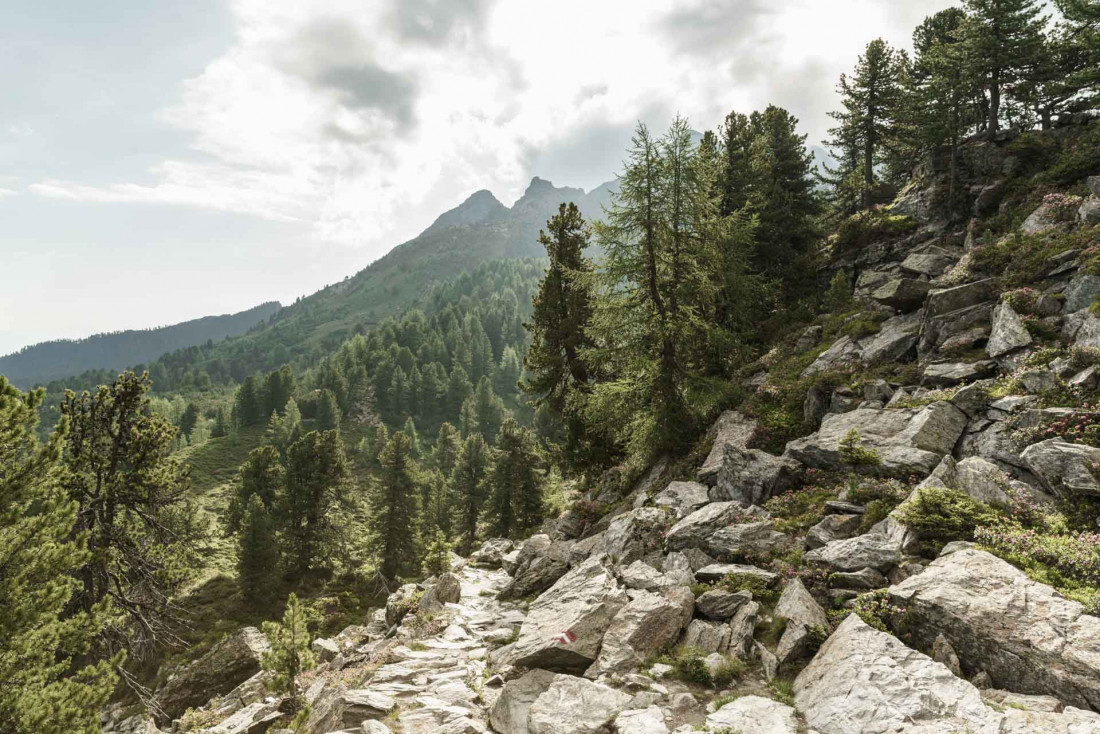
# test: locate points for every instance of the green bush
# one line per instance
(735, 582)
(944, 515)
(876, 610)
(868, 227)
(852, 451)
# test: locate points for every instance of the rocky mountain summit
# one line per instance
(910, 560)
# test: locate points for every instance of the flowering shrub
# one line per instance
(1062, 207)
(876, 610)
(1074, 555)
(1022, 300)
(799, 509)
(1081, 426)
(945, 514)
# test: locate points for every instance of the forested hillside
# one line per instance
(41, 363)
(795, 452)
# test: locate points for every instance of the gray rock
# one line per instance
(931, 261)
(865, 578)
(809, 338)
(844, 350)
(649, 622)
(769, 663)
(1085, 328)
(683, 498)
(719, 571)
(731, 429)
(982, 480)
(751, 476)
(509, 712)
(1008, 332)
(1039, 380)
(641, 721)
(255, 718)
(946, 300)
(231, 662)
(1093, 182)
(538, 564)
(337, 708)
(564, 627)
(446, 590)
(742, 628)
(754, 714)
(1089, 212)
(943, 653)
(707, 637)
(1025, 635)
(872, 550)
(1066, 469)
(1044, 219)
(832, 527)
(802, 613)
(695, 529)
(1081, 292)
(324, 649)
(633, 535)
(1088, 378)
(948, 374)
(491, 553)
(678, 567)
(746, 539)
(720, 605)
(640, 575)
(895, 339)
(575, 706)
(908, 441)
(904, 294)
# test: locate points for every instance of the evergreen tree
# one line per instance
(140, 526)
(316, 488)
(328, 411)
(395, 510)
(870, 97)
(261, 475)
(188, 420)
(488, 409)
(437, 554)
(409, 429)
(289, 654)
(469, 488)
(374, 444)
(40, 691)
(278, 388)
(448, 444)
(221, 425)
(516, 503)
(1003, 41)
(458, 389)
(507, 373)
(257, 553)
(1081, 28)
(735, 181)
(248, 404)
(285, 430)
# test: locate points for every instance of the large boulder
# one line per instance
(1081, 292)
(802, 614)
(575, 706)
(683, 498)
(446, 590)
(231, 662)
(491, 553)
(509, 712)
(751, 476)
(401, 602)
(337, 708)
(649, 622)
(907, 441)
(754, 714)
(634, 534)
(707, 637)
(537, 565)
(564, 627)
(946, 300)
(832, 527)
(731, 429)
(695, 529)
(894, 340)
(881, 549)
(1008, 333)
(720, 604)
(751, 539)
(948, 374)
(844, 351)
(1023, 634)
(1066, 469)
(904, 294)
(649, 720)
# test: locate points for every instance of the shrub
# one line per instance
(868, 227)
(839, 296)
(689, 665)
(1022, 300)
(944, 515)
(735, 582)
(799, 509)
(852, 451)
(876, 610)
(1074, 555)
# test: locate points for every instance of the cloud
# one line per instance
(7, 192)
(366, 120)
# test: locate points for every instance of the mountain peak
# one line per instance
(480, 206)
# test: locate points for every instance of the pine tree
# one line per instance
(488, 409)
(395, 510)
(1081, 29)
(278, 388)
(285, 430)
(374, 444)
(316, 488)
(735, 179)
(328, 411)
(516, 479)
(437, 554)
(458, 389)
(134, 510)
(1003, 41)
(261, 475)
(409, 429)
(40, 692)
(248, 404)
(448, 443)
(221, 425)
(257, 553)
(188, 420)
(289, 655)
(871, 101)
(469, 489)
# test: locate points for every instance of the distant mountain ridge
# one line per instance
(41, 363)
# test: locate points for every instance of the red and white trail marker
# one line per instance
(565, 638)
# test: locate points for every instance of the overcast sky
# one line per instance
(163, 161)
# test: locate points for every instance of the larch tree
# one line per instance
(261, 475)
(469, 488)
(395, 510)
(290, 654)
(257, 553)
(42, 689)
(516, 478)
(316, 492)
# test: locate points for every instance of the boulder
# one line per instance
(683, 498)
(982, 480)
(491, 553)
(754, 714)
(865, 578)
(255, 718)
(948, 374)
(640, 721)
(649, 622)
(509, 712)
(946, 300)
(575, 706)
(907, 441)
(564, 627)
(746, 539)
(895, 339)
(1048, 216)
(742, 627)
(678, 567)
(695, 529)
(904, 294)
(1023, 634)
(802, 614)
(718, 571)
(863, 680)
(1066, 469)
(401, 602)
(875, 550)
(844, 350)
(1084, 329)
(446, 590)
(707, 637)
(832, 527)
(640, 575)
(1081, 292)
(720, 605)
(751, 476)
(538, 564)
(324, 649)
(931, 261)
(231, 662)
(731, 429)
(337, 708)
(1089, 212)
(1008, 332)
(633, 535)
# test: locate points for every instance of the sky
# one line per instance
(165, 161)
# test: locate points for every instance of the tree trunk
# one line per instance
(995, 103)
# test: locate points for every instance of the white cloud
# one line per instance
(7, 192)
(367, 119)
